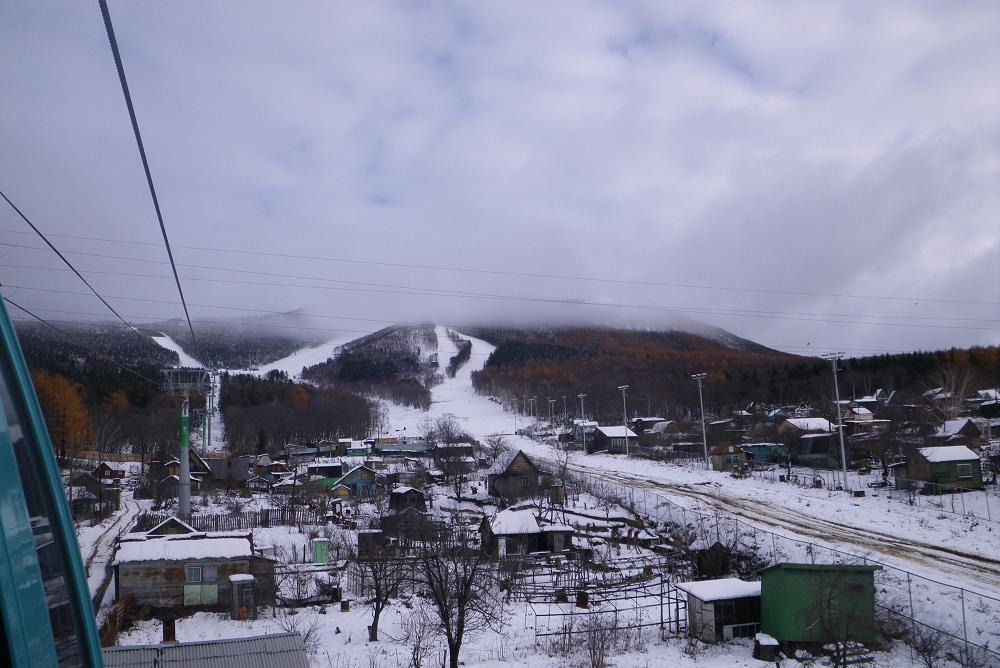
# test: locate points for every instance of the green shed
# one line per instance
(818, 603)
(950, 466)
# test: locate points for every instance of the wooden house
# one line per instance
(402, 498)
(197, 465)
(720, 610)
(105, 471)
(514, 476)
(727, 457)
(961, 430)
(188, 570)
(943, 468)
(360, 480)
(611, 440)
(169, 487)
(228, 470)
(766, 453)
(813, 603)
(518, 532)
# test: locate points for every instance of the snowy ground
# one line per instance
(165, 341)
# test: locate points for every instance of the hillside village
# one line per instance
(562, 533)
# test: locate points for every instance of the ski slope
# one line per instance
(309, 356)
(165, 341)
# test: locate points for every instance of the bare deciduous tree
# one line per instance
(384, 573)
(955, 385)
(463, 586)
(495, 445)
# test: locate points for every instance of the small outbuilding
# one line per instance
(720, 610)
(813, 603)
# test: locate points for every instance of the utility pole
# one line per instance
(581, 397)
(552, 417)
(701, 402)
(514, 411)
(833, 357)
(565, 412)
(624, 416)
(184, 484)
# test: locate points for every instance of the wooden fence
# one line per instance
(259, 519)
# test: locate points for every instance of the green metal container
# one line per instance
(818, 603)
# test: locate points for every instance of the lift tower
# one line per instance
(185, 381)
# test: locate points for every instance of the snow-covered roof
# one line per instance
(502, 462)
(514, 522)
(241, 577)
(952, 427)
(993, 394)
(720, 590)
(661, 427)
(812, 424)
(948, 453)
(861, 410)
(183, 548)
(617, 431)
(404, 489)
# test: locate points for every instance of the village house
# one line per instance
(169, 487)
(104, 471)
(196, 465)
(611, 439)
(959, 431)
(518, 532)
(189, 569)
(360, 481)
(231, 470)
(513, 476)
(727, 457)
(403, 498)
(947, 466)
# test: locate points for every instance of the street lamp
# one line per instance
(833, 357)
(701, 402)
(624, 416)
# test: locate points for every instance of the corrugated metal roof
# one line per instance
(271, 651)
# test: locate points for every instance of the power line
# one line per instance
(106, 14)
(565, 277)
(38, 318)
(63, 258)
(77, 345)
(384, 288)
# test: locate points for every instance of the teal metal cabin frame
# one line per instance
(27, 629)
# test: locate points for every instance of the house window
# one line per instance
(210, 574)
(193, 575)
(964, 471)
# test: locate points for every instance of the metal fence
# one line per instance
(980, 504)
(970, 617)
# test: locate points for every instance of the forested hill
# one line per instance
(93, 356)
(657, 367)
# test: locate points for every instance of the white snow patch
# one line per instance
(186, 360)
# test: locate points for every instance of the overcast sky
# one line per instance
(756, 166)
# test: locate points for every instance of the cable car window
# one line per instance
(66, 626)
